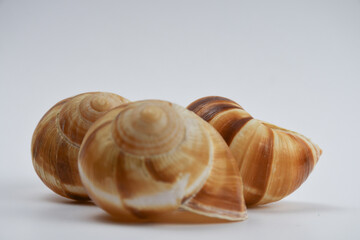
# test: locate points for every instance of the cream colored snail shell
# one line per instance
(273, 161)
(151, 157)
(57, 138)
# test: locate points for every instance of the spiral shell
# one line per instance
(273, 161)
(151, 157)
(57, 138)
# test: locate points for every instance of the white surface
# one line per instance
(293, 63)
(30, 212)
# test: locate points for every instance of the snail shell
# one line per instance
(151, 157)
(57, 138)
(273, 161)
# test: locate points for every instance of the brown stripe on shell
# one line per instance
(314, 149)
(260, 166)
(222, 194)
(63, 165)
(214, 109)
(208, 107)
(229, 130)
(156, 174)
(140, 182)
(54, 154)
(43, 147)
(122, 179)
(200, 103)
(39, 137)
(66, 167)
(308, 160)
(294, 156)
(131, 185)
(41, 130)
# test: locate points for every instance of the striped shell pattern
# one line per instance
(152, 157)
(57, 138)
(273, 162)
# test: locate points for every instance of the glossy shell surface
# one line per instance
(272, 161)
(57, 138)
(152, 157)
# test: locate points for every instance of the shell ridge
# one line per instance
(247, 161)
(248, 145)
(62, 134)
(268, 175)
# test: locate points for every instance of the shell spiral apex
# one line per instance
(273, 161)
(57, 138)
(151, 157)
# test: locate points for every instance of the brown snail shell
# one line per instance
(273, 161)
(151, 157)
(57, 138)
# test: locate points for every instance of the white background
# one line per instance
(293, 63)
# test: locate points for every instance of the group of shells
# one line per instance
(149, 158)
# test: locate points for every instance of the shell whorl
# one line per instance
(150, 157)
(57, 138)
(78, 113)
(148, 129)
(273, 161)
